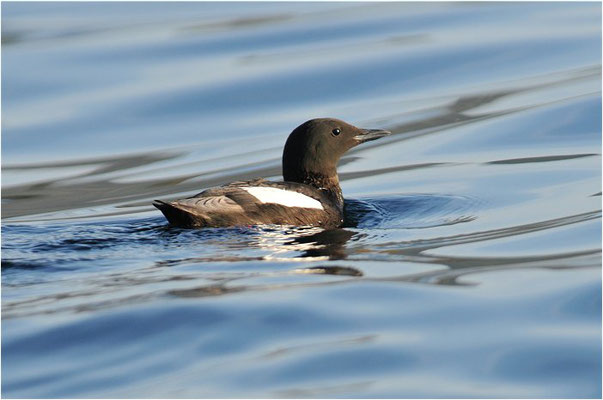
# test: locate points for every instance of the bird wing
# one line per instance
(247, 203)
(209, 204)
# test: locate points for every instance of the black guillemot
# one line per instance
(309, 196)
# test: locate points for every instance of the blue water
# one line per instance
(469, 264)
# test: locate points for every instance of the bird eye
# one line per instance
(336, 131)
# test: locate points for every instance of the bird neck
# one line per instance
(328, 184)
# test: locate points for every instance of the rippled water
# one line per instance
(470, 260)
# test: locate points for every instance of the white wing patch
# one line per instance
(283, 197)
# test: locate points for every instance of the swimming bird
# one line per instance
(309, 196)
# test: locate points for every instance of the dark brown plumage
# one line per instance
(309, 196)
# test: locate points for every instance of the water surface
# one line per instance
(469, 264)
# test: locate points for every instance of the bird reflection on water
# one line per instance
(311, 245)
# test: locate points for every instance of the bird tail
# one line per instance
(177, 215)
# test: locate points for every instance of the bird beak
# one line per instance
(367, 135)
